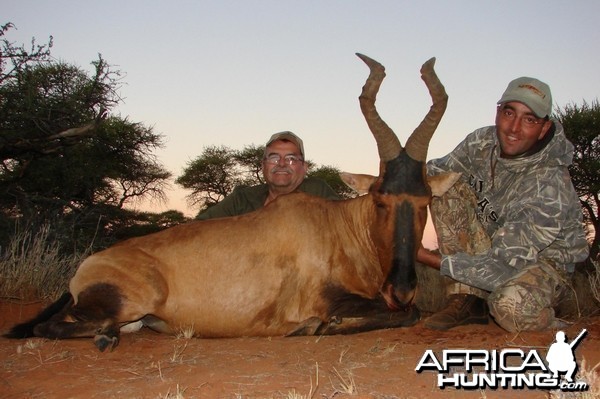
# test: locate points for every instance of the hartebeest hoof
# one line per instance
(307, 327)
(104, 342)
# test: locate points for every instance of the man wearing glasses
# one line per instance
(510, 230)
(284, 171)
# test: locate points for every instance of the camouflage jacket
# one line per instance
(527, 205)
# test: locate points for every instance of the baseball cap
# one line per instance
(287, 136)
(531, 92)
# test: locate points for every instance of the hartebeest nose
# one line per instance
(406, 297)
(399, 298)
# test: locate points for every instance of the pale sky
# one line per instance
(234, 72)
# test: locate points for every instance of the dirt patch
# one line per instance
(379, 364)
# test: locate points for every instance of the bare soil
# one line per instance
(379, 364)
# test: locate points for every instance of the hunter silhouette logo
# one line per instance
(506, 368)
(560, 355)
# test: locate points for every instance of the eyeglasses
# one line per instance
(527, 120)
(274, 159)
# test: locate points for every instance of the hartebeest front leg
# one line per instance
(350, 313)
(352, 325)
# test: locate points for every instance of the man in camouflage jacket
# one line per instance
(511, 229)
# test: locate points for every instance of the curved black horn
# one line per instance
(418, 143)
(387, 143)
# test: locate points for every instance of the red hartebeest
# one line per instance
(301, 265)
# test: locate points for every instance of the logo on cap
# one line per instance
(533, 89)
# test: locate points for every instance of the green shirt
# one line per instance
(246, 199)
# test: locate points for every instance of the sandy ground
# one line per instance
(379, 364)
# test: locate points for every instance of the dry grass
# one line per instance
(314, 386)
(178, 394)
(187, 332)
(44, 353)
(32, 267)
(588, 375)
(177, 356)
(594, 279)
(345, 383)
(585, 284)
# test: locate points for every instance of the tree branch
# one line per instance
(74, 132)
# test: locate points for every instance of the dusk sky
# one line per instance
(234, 72)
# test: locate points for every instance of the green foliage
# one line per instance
(332, 176)
(250, 161)
(65, 160)
(211, 176)
(582, 127)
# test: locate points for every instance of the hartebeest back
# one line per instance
(300, 265)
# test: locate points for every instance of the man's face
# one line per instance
(281, 175)
(518, 128)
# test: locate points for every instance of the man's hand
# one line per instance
(429, 258)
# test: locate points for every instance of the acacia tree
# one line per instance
(582, 127)
(219, 169)
(211, 176)
(249, 160)
(64, 157)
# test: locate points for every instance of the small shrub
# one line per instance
(34, 268)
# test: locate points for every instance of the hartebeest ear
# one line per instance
(441, 183)
(358, 182)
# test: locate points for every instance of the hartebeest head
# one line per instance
(401, 192)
